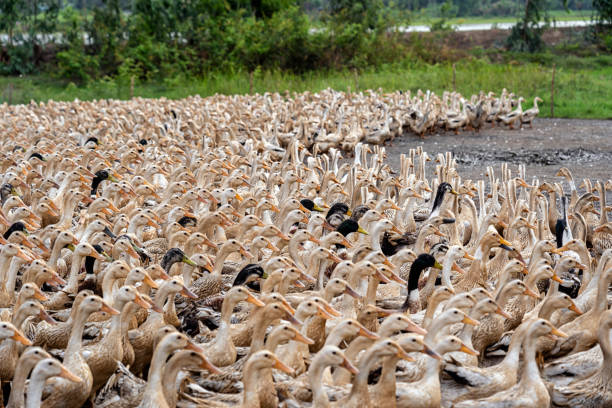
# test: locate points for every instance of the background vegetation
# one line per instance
(63, 49)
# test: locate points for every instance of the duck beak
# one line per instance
(187, 293)
(314, 239)
(469, 320)
(27, 243)
(453, 192)
(282, 367)
(556, 278)
(69, 376)
(322, 313)
(306, 210)
(431, 352)
(531, 293)
(110, 310)
(253, 300)
(558, 333)
(45, 316)
(39, 295)
(500, 312)
(132, 253)
(396, 278)
(56, 280)
(328, 226)
(581, 266)
(504, 242)
(415, 328)
(238, 197)
(207, 365)
(141, 302)
(349, 366)
(334, 258)
(468, 350)
(318, 209)
(272, 247)
(395, 207)
(438, 266)
(468, 256)
(194, 347)
(439, 233)
(301, 338)
(362, 231)
(457, 268)
(245, 253)
(388, 263)
(22, 255)
(367, 334)
(188, 261)
(150, 282)
(346, 243)
(403, 355)
(575, 309)
(381, 277)
(351, 292)
(18, 336)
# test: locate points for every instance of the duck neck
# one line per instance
(413, 285)
(376, 237)
(315, 376)
(294, 252)
(606, 349)
(74, 342)
(35, 390)
(251, 386)
(73, 278)
(220, 261)
(511, 360)
(12, 277)
(370, 298)
(531, 372)
(386, 386)
(23, 369)
(155, 383)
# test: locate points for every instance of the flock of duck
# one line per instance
(161, 253)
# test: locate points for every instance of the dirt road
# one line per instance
(583, 146)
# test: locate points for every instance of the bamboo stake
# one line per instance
(552, 92)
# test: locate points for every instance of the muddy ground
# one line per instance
(583, 146)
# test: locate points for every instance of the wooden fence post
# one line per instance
(552, 93)
(454, 79)
(356, 75)
(251, 83)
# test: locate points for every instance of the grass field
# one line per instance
(581, 91)
(558, 15)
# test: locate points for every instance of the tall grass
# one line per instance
(579, 92)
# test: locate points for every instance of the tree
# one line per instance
(526, 35)
(604, 14)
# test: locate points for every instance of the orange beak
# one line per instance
(150, 282)
(468, 256)
(468, 350)
(575, 309)
(253, 300)
(18, 336)
(69, 376)
(531, 293)
(282, 367)
(110, 310)
(187, 293)
(349, 367)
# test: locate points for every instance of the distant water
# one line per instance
(491, 26)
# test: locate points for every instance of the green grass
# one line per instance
(558, 15)
(582, 92)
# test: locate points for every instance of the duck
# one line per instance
(69, 393)
(530, 390)
(45, 369)
(593, 390)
